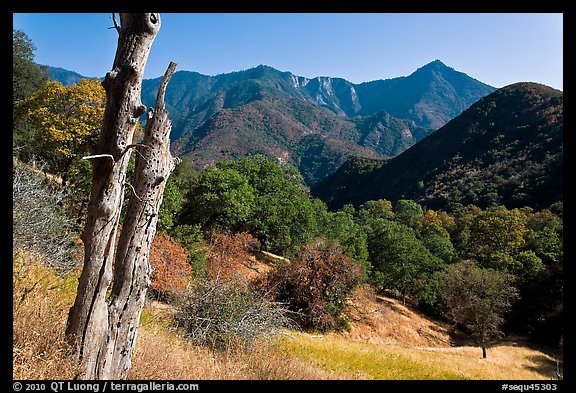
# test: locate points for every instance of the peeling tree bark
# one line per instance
(103, 330)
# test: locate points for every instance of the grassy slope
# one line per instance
(388, 340)
(371, 361)
(41, 301)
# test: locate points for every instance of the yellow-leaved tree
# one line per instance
(66, 122)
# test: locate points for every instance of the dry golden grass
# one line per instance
(388, 340)
(506, 361)
(41, 301)
(376, 361)
(381, 320)
(363, 360)
(164, 354)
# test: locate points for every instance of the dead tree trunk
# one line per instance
(154, 163)
(89, 319)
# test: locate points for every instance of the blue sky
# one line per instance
(497, 49)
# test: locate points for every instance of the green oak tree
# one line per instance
(342, 226)
(476, 299)
(220, 199)
(408, 212)
(256, 195)
(400, 262)
(498, 240)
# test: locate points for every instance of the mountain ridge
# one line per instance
(506, 148)
(301, 117)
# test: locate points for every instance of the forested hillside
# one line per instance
(505, 149)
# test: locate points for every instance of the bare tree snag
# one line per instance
(88, 324)
(132, 271)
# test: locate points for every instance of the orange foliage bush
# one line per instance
(171, 273)
(230, 256)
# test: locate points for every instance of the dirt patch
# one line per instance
(377, 319)
(242, 271)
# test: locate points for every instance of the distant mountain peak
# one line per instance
(435, 65)
(265, 67)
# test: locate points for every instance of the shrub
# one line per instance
(40, 226)
(191, 238)
(223, 315)
(228, 254)
(315, 285)
(171, 271)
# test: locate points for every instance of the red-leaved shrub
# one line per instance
(230, 258)
(171, 271)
